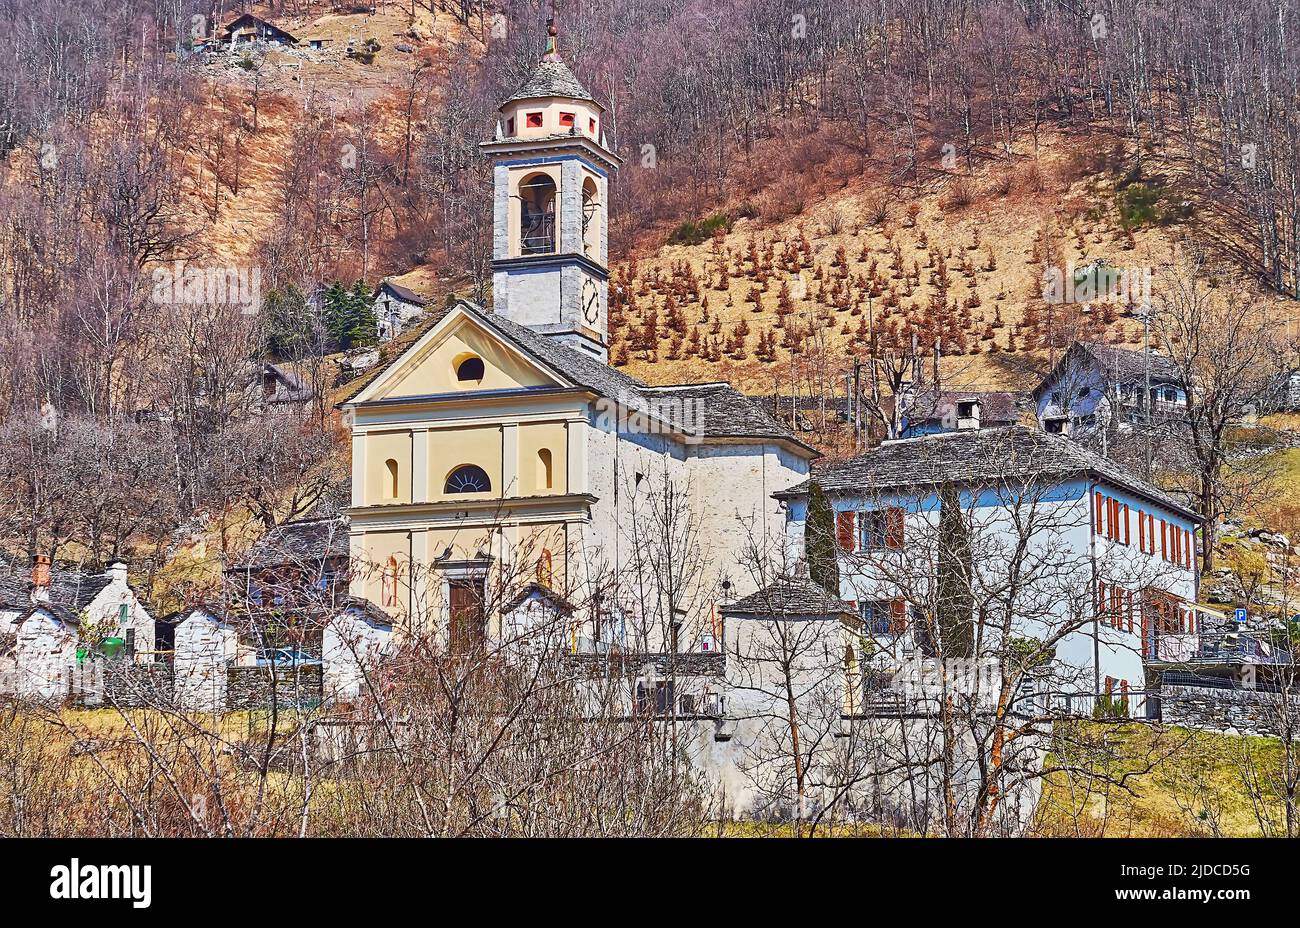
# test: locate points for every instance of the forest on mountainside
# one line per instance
(122, 151)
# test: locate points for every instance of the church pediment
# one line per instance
(458, 354)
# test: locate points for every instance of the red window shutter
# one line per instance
(844, 530)
(1117, 605)
(1096, 514)
(1188, 547)
(1130, 612)
(1164, 539)
(1126, 537)
(894, 529)
(897, 616)
(1114, 505)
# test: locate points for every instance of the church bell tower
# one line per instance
(551, 169)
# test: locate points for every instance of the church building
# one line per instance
(501, 450)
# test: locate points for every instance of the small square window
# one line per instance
(567, 120)
(534, 120)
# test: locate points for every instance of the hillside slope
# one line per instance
(961, 261)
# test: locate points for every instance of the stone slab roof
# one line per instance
(544, 593)
(789, 597)
(301, 543)
(1118, 365)
(980, 457)
(727, 413)
(551, 78)
(404, 293)
(71, 588)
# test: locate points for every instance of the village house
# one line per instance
(280, 387)
(500, 447)
(247, 29)
(1095, 385)
(397, 307)
(61, 616)
(1112, 558)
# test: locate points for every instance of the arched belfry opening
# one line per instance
(537, 215)
(590, 219)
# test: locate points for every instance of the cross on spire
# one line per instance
(552, 53)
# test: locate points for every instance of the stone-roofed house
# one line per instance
(397, 306)
(247, 29)
(300, 563)
(52, 608)
(1107, 560)
(790, 598)
(1095, 385)
(499, 446)
(279, 386)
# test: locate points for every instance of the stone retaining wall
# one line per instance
(1237, 711)
(251, 688)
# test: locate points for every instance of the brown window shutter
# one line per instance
(894, 528)
(1130, 612)
(897, 616)
(1096, 514)
(1164, 539)
(844, 530)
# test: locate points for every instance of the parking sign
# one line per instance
(1241, 615)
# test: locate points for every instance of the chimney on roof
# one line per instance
(41, 578)
(117, 572)
(968, 415)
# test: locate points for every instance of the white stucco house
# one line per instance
(1042, 540)
(57, 610)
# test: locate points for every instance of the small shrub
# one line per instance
(959, 195)
(698, 231)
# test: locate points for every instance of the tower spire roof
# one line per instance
(552, 77)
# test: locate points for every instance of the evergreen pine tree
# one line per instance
(955, 604)
(819, 540)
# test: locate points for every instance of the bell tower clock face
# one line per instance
(590, 301)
